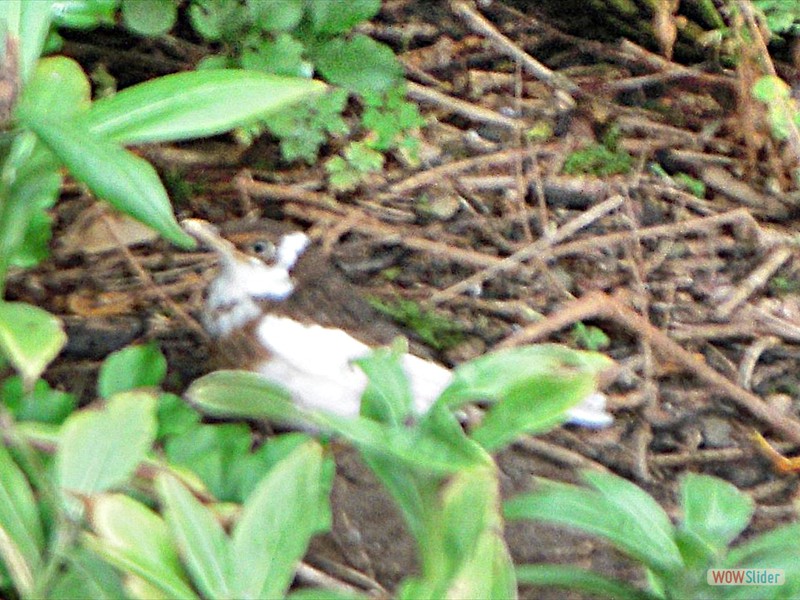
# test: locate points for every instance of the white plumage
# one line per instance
(316, 365)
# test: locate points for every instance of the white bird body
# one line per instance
(314, 363)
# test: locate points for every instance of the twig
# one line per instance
(480, 25)
(468, 110)
(756, 280)
(583, 220)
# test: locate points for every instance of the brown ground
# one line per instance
(697, 295)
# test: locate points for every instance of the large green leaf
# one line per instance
(127, 182)
(29, 338)
(85, 575)
(573, 578)
(200, 538)
(602, 513)
(277, 523)
(193, 104)
(100, 449)
(493, 376)
(136, 540)
(359, 64)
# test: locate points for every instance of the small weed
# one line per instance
(435, 330)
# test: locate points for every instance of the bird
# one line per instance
(278, 306)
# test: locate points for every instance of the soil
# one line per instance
(697, 294)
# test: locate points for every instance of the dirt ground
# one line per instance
(697, 295)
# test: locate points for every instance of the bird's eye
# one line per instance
(263, 248)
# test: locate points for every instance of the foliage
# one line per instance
(600, 159)
(435, 330)
(782, 111)
(677, 557)
(782, 17)
(298, 37)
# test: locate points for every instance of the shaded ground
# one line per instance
(698, 295)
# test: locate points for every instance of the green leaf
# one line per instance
(216, 453)
(29, 338)
(493, 376)
(58, 88)
(601, 513)
(333, 16)
(714, 510)
(175, 417)
(359, 64)
(21, 538)
(27, 22)
(276, 15)
(573, 578)
(194, 104)
(217, 20)
(85, 14)
(149, 17)
(242, 394)
(136, 540)
(86, 576)
(281, 56)
(99, 450)
(131, 368)
(277, 523)
(387, 397)
(200, 538)
(42, 403)
(127, 182)
(473, 543)
(534, 406)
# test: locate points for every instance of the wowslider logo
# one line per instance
(745, 577)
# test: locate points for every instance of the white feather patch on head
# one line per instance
(290, 248)
(232, 296)
(315, 364)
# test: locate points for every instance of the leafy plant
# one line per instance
(677, 557)
(298, 37)
(435, 330)
(443, 479)
(782, 17)
(602, 159)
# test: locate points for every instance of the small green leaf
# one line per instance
(334, 17)
(387, 397)
(714, 510)
(149, 17)
(130, 368)
(136, 540)
(276, 15)
(359, 64)
(42, 403)
(127, 182)
(99, 450)
(277, 523)
(57, 89)
(85, 14)
(29, 338)
(281, 56)
(200, 539)
(194, 104)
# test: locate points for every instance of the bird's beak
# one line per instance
(205, 233)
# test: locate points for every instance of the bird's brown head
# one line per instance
(254, 266)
